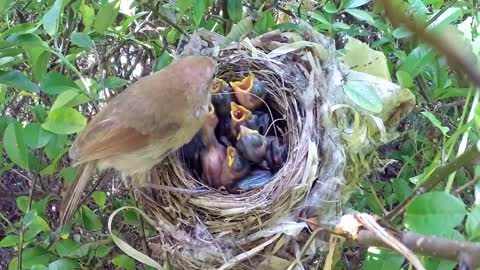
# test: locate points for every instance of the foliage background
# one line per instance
(61, 60)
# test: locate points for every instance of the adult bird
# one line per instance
(139, 127)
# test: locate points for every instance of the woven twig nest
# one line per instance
(241, 231)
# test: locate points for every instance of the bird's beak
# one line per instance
(239, 113)
(245, 85)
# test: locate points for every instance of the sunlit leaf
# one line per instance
(434, 212)
(124, 261)
(363, 95)
(65, 121)
(199, 9)
(381, 259)
(100, 198)
(15, 146)
(356, 3)
(51, 18)
(106, 16)
(91, 221)
(361, 15)
(417, 60)
(63, 264)
(472, 225)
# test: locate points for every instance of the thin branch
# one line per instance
(467, 185)
(430, 246)
(459, 58)
(440, 174)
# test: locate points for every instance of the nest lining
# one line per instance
(229, 221)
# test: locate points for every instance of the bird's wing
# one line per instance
(122, 126)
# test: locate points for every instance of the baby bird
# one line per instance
(235, 167)
(221, 97)
(239, 115)
(250, 92)
(251, 144)
(213, 156)
(259, 121)
(276, 153)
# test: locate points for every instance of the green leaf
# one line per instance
(320, 17)
(330, 7)
(172, 36)
(419, 10)
(124, 261)
(106, 16)
(55, 83)
(36, 136)
(37, 226)
(64, 98)
(22, 203)
(90, 220)
(39, 112)
(404, 79)
(15, 147)
(100, 198)
(88, 15)
(417, 60)
(401, 189)
(199, 9)
(361, 15)
(56, 146)
(65, 247)
(184, 5)
(242, 28)
(380, 259)
(65, 121)
(38, 58)
(103, 251)
(113, 82)
(363, 95)
(5, 4)
(264, 23)
(35, 255)
(235, 9)
(434, 213)
(29, 218)
(9, 241)
(39, 267)
(63, 264)
(436, 122)
(68, 174)
(472, 225)
(82, 40)
(164, 60)
(356, 3)
(448, 16)
(17, 80)
(131, 217)
(52, 17)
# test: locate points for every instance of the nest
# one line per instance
(216, 229)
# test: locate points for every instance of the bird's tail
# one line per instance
(72, 198)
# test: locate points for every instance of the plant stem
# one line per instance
(440, 173)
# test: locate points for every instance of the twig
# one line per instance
(467, 185)
(387, 238)
(438, 175)
(428, 246)
(29, 206)
(459, 59)
(167, 21)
